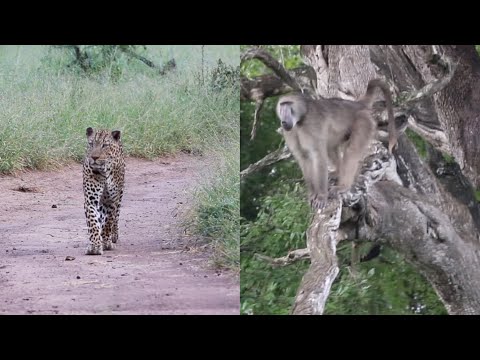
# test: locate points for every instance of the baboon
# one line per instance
(338, 130)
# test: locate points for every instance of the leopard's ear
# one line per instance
(116, 135)
(89, 132)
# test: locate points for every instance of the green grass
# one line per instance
(45, 110)
(43, 117)
(218, 206)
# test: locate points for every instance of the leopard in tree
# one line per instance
(103, 180)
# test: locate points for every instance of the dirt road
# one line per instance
(148, 273)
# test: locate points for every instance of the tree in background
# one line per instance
(92, 59)
(412, 213)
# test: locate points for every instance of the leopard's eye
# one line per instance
(104, 145)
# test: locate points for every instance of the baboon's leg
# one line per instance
(335, 157)
(319, 176)
(362, 132)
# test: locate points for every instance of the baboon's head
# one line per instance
(286, 115)
(291, 109)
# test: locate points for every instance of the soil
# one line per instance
(156, 267)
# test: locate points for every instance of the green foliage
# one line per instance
(477, 195)
(448, 158)
(223, 76)
(218, 198)
(386, 285)
(421, 146)
(267, 140)
(287, 55)
(418, 142)
(218, 205)
(267, 290)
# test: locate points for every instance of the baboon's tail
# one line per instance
(368, 100)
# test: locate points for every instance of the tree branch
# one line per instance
(315, 286)
(431, 88)
(133, 54)
(403, 108)
(430, 241)
(264, 86)
(258, 108)
(322, 235)
(435, 228)
(270, 62)
(292, 257)
(261, 87)
(437, 138)
(268, 160)
(169, 65)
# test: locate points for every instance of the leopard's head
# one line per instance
(103, 145)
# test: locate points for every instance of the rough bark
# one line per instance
(455, 109)
(425, 209)
(313, 291)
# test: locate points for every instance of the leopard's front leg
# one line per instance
(116, 215)
(111, 201)
(108, 231)
(93, 190)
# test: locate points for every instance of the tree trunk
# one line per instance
(432, 217)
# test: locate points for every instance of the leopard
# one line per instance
(103, 186)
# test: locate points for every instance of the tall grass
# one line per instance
(218, 205)
(43, 116)
(44, 111)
